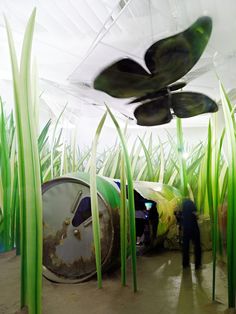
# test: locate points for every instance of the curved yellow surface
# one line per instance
(168, 200)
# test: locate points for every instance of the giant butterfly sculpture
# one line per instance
(168, 60)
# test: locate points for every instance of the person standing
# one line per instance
(154, 221)
(190, 232)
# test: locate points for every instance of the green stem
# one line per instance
(182, 162)
(130, 201)
(94, 203)
(123, 223)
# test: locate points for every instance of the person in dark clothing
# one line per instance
(140, 210)
(190, 232)
(140, 222)
(146, 218)
(153, 217)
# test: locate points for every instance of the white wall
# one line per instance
(192, 135)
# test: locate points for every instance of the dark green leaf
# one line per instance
(43, 136)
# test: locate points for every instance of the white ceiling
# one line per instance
(75, 39)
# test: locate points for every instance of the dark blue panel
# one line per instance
(83, 212)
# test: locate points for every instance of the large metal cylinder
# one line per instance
(68, 249)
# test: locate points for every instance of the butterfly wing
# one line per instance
(154, 112)
(190, 104)
(171, 58)
(184, 105)
(168, 60)
(124, 78)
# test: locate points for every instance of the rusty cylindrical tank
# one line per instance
(68, 249)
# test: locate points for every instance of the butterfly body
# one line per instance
(162, 92)
(167, 61)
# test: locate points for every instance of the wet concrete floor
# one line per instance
(163, 288)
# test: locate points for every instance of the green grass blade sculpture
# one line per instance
(54, 143)
(94, 202)
(29, 174)
(123, 221)
(5, 171)
(150, 172)
(130, 200)
(230, 127)
(182, 162)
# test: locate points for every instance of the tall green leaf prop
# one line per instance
(130, 200)
(209, 190)
(94, 202)
(182, 162)
(29, 174)
(123, 221)
(230, 127)
(54, 143)
(212, 197)
(5, 172)
(9, 235)
(150, 171)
